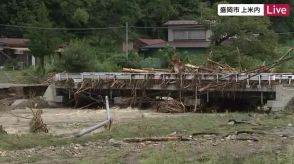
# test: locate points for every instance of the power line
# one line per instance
(282, 33)
(107, 28)
(59, 28)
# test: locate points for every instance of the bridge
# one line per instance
(265, 89)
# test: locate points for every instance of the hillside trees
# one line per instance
(252, 40)
(42, 42)
(241, 41)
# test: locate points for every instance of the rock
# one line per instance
(52, 148)
(143, 144)
(231, 122)
(173, 134)
(111, 140)
(231, 137)
(2, 153)
(21, 103)
(115, 143)
(85, 144)
(78, 145)
(290, 125)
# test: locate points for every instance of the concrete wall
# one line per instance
(284, 95)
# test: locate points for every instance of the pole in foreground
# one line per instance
(106, 122)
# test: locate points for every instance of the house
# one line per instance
(182, 34)
(16, 51)
(188, 34)
(139, 44)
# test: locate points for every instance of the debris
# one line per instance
(132, 70)
(248, 132)
(233, 122)
(106, 124)
(205, 133)
(176, 64)
(156, 139)
(171, 106)
(36, 124)
(231, 137)
(2, 131)
(246, 139)
(36, 102)
(220, 67)
(115, 143)
(173, 134)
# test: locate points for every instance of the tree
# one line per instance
(237, 40)
(78, 56)
(43, 42)
(20, 12)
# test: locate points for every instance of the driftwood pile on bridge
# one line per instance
(179, 69)
(177, 66)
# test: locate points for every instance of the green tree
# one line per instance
(237, 40)
(78, 56)
(43, 42)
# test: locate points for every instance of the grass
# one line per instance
(173, 153)
(168, 152)
(147, 127)
(20, 77)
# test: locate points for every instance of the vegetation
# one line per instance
(40, 16)
(77, 56)
(169, 152)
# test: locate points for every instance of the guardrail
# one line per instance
(78, 77)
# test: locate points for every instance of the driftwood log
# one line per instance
(132, 70)
(156, 139)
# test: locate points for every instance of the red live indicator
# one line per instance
(276, 10)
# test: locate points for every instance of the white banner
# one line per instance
(240, 9)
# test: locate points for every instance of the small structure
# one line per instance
(16, 52)
(182, 34)
(145, 44)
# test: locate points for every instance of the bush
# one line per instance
(120, 60)
(78, 56)
(107, 67)
(151, 62)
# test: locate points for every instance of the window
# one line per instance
(180, 35)
(189, 34)
(199, 34)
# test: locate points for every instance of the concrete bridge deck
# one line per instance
(265, 86)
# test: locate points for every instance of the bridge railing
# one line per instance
(77, 77)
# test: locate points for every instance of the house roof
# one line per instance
(14, 42)
(181, 22)
(151, 41)
(181, 44)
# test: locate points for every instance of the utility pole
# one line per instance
(127, 40)
(239, 59)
